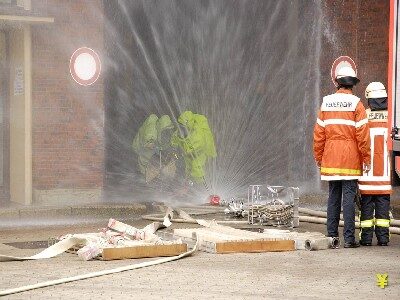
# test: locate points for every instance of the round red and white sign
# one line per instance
(85, 66)
(340, 62)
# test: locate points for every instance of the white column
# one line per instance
(28, 112)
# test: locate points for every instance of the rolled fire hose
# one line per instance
(97, 274)
(309, 244)
(322, 243)
(82, 239)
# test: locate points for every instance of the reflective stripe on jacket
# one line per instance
(377, 180)
(341, 137)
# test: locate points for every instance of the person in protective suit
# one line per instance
(152, 144)
(341, 151)
(375, 186)
(144, 143)
(195, 139)
(167, 153)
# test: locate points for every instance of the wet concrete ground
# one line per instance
(341, 273)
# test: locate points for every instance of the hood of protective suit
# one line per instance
(147, 134)
(164, 122)
(148, 130)
(187, 119)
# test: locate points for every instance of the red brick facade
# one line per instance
(67, 129)
(359, 29)
(68, 119)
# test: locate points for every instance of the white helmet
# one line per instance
(346, 72)
(346, 76)
(375, 90)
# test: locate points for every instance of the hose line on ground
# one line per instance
(323, 214)
(96, 274)
(315, 216)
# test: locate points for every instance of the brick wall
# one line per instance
(358, 29)
(67, 129)
(68, 133)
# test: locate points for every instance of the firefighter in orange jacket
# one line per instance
(341, 151)
(375, 186)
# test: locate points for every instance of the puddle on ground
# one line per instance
(29, 244)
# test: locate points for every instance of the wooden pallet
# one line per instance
(254, 246)
(143, 251)
(146, 251)
(241, 246)
(212, 240)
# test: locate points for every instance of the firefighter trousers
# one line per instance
(380, 221)
(348, 189)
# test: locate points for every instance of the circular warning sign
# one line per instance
(85, 66)
(340, 62)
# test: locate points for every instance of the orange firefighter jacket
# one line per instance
(377, 180)
(341, 137)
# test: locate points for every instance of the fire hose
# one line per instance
(318, 220)
(97, 274)
(303, 241)
(317, 213)
(153, 217)
(315, 216)
(277, 212)
(76, 239)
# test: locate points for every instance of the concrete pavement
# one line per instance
(342, 273)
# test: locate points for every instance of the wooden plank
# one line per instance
(143, 251)
(27, 19)
(254, 246)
